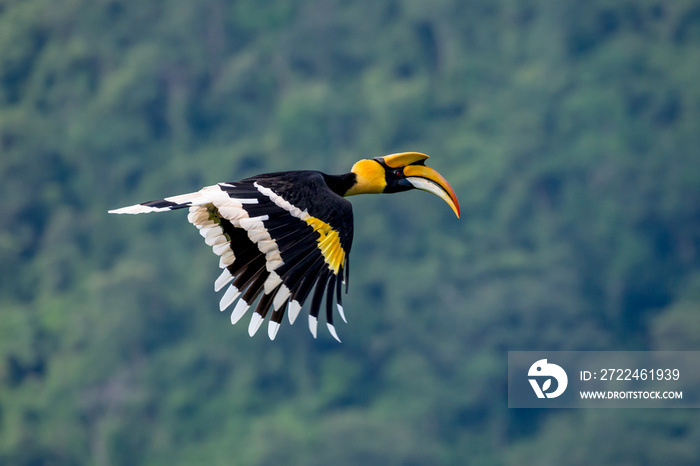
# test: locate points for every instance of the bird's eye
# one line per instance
(398, 173)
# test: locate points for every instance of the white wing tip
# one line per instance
(272, 329)
(281, 297)
(239, 311)
(230, 296)
(313, 325)
(342, 313)
(255, 321)
(331, 329)
(222, 281)
(133, 209)
(293, 310)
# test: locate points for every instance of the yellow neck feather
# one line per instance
(371, 178)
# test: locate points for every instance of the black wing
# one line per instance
(281, 238)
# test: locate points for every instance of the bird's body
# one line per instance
(284, 237)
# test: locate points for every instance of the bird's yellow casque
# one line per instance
(282, 237)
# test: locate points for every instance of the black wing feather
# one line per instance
(267, 230)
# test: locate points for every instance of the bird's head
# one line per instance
(400, 172)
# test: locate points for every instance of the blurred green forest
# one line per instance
(569, 130)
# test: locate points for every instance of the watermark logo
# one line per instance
(542, 370)
(603, 379)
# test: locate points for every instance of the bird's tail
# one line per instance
(162, 205)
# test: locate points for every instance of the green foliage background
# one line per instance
(569, 131)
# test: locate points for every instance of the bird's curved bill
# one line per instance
(427, 179)
(403, 159)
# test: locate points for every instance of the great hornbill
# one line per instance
(279, 234)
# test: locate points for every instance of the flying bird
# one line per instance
(282, 237)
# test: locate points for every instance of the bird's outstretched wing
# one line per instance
(280, 238)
